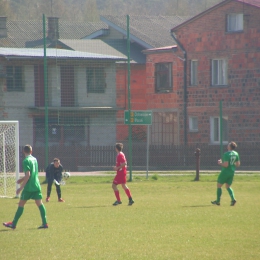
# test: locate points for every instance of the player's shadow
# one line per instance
(92, 207)
(197, 206)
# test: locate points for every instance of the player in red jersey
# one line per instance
(120, 177)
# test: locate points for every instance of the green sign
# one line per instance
(138, 117)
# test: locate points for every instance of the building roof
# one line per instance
(161, 49)
(54, 53)
(250, 2)
(20, 32)
(147, 31)
(255, 3)
(108, 47)
(93, 46)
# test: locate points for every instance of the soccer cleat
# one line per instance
(9, 225)
(215, 203)
(131, 202)
(47, 199)
(117, 203)
(233, 202)
(43, 226)
(61, 200)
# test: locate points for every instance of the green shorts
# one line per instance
(225, 178)
(26, 195)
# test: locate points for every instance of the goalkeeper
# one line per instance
(54, 174)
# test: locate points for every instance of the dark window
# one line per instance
(62, 130)
(14, 80)
(163, 77)
(95, 80)
(194, 72)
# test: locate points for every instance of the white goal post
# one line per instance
(9, 158)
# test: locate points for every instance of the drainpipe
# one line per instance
(185, 99)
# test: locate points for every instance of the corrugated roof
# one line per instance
(53, 53)
(148, 31)
(20, 32)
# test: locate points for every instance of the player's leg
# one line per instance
(49, 186)
(116, 191)
(18, 212)
(230, 191)
(58, 190)
(220, 182)
(128, 193)
(42, 210)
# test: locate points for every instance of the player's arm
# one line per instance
(237, 163)
(121, 166)
(223, 164)
(24, 181)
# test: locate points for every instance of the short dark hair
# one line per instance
(119, 146)
(27, 149)
(233, 145)
(56, 160)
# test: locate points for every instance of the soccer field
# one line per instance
(172, 218)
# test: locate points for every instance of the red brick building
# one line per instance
(222, 48)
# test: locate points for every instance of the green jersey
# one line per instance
(231, 157)
(30, 164)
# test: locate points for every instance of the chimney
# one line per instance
(53, 28)
(3, 28)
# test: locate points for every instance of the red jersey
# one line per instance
(120, 158)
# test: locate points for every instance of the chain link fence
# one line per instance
(74, 103)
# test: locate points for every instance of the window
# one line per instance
(215, 130)
(193, 124)
(193, 72)
(219, 72)
(14, 80)
(235, 22)
(64, 129)
(163, 77)
(95, 80)
(164, 130)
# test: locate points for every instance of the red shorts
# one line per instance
(120, 179)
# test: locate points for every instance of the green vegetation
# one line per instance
(172, 218)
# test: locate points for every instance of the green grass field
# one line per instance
(172, 218)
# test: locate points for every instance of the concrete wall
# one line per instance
(108, 98)
(16, 106)
(54, 86)
(103, 129)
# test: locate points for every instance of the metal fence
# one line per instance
(70, 101)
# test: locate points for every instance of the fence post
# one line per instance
(197, 154)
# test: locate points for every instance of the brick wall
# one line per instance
(205, 39)
(138, 94)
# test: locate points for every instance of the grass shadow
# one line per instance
(197, 206)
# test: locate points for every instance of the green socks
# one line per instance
(231, 193)
(43, 214)
(18, 214)
(219, 192)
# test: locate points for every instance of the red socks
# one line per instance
(128, 193)
(117, 195)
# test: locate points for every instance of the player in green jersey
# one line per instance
(30, 187)
(231, 160)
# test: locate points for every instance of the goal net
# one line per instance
(9, 158)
